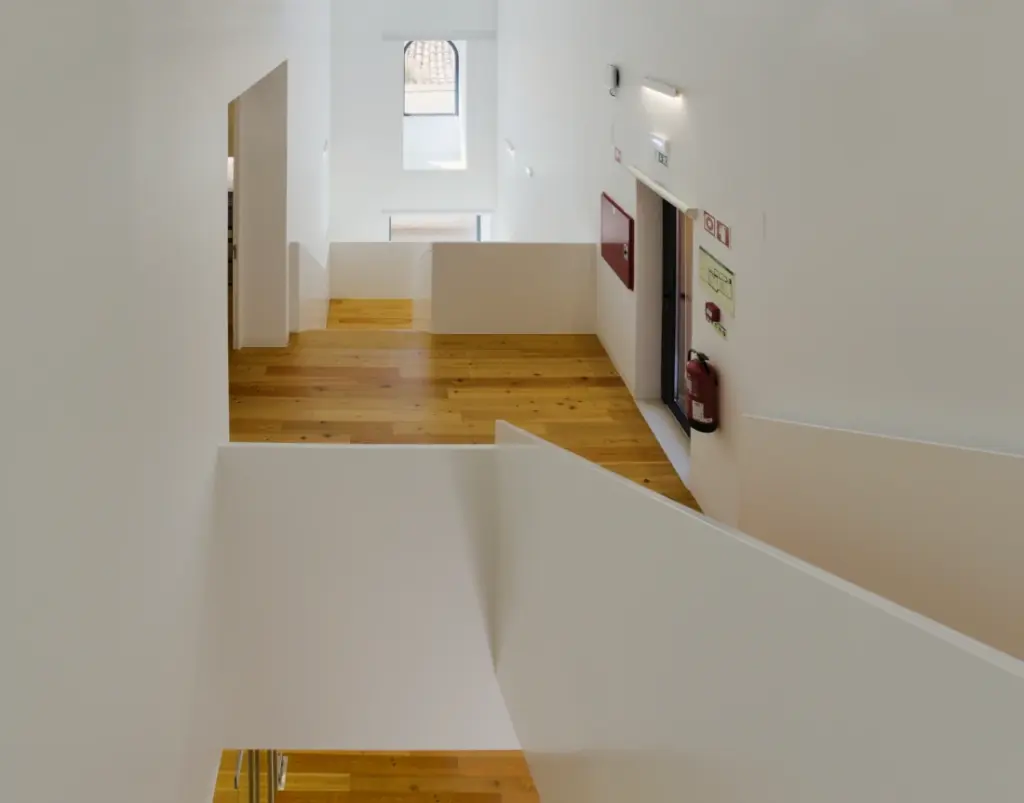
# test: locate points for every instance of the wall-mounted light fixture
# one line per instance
(529, 172)
(662, 88)
(510, 148)
(614, 79)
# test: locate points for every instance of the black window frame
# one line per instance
(458, 81)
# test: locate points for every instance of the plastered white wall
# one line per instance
(293, 287)
(376, 270)
(506, 288)
(115, 129)
(309, 290)
(430, 141)
(261, 213)
(873, 240)
(933, 528)
(309, 128)
(367, 103)
(320, 621)
(615, 320)
(423, 291)
(684, 661)
(647, 282)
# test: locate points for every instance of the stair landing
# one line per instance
(347, 777)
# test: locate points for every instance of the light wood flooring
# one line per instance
(337, 777)
(376, 314)
(371, 379)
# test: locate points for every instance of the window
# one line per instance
(435, 127)
(440, 227)
(431, 78)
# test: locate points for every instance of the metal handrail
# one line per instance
(282, 772)
(272, 776)
(238, 769)
(254, 776)
(277, 773)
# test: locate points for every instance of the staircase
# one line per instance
(507, 597)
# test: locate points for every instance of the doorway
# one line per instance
(676, 308)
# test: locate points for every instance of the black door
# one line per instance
(673, 312)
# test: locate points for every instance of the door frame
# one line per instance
(673, 223)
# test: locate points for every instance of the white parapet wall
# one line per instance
(352, 597)
(646, 653)
(939, 529)
(476, 288)
(437, 597)
(309, 294)
(375, 270)
(423, 291)
(513, 288)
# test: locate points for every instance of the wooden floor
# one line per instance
(369, 379)
(334, 777)
(386, 313)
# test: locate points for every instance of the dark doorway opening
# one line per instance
(676, 307)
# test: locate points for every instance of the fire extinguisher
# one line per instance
(701, 392)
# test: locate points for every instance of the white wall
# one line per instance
(873, 237)
(117, 404)
(629, 321)
(375, 270)
(261, 213)
(684, 661)
(931, 527)
(294, 289)
(370, 634)
(509, 288)
(309, 128)
(423, 291)
(367, 103)
(429, 142)
(309, 290)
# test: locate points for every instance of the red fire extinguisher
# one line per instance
(701, 392)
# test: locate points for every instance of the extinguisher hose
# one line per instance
(702, 359)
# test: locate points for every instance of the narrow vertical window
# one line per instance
(431, 78)
(435, 129)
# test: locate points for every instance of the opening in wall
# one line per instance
(439, 227)
(434, 125)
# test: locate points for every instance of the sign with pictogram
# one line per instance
(717, 229)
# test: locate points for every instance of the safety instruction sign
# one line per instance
(719, 281)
